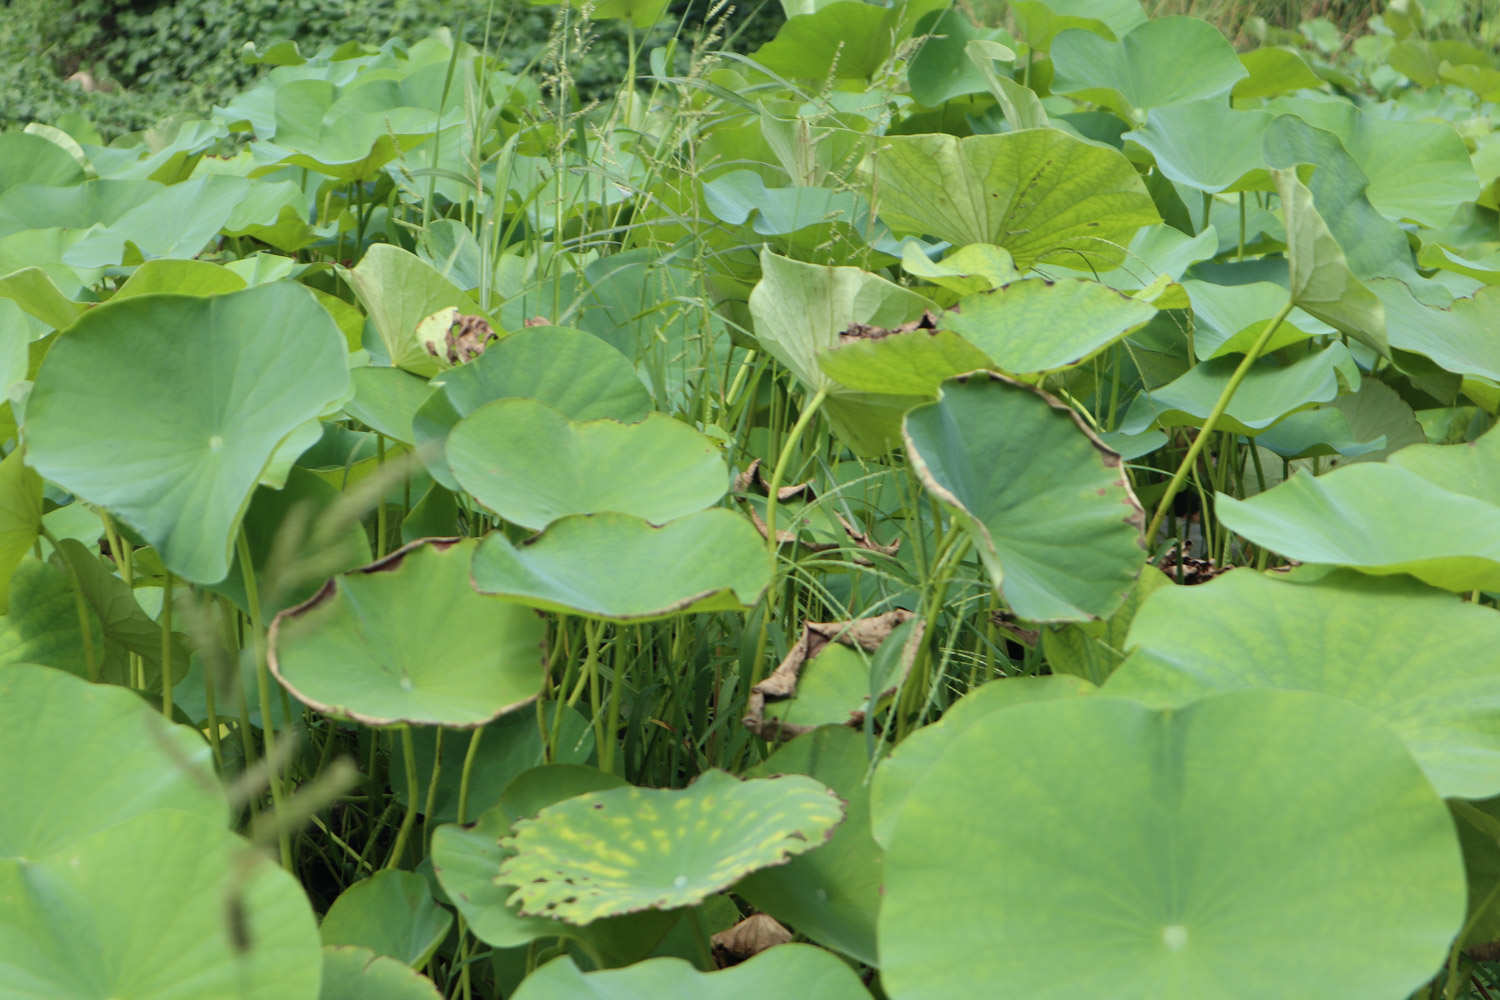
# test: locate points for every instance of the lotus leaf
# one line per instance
(1047, 506)
(1040, 193)
(627, 849)
(449, 657)
(1434, 683)
(532, 465)
(618, 567)
(187, 441)
(787, 970)
(1184, 830)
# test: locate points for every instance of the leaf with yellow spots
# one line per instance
(630, 849)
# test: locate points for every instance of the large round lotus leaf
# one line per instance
(900, 362)
(1043, 326)
(1041, 21)
(830, 894)
(907, 766)
(31, 159)
(392, 913)
(628, 849)
(619, 567)
(167, 905)
(352, 973)
(1167, 60)
(531, 465)
(1040, 193)
(78, 757)
(573, 372)
(1207, 145)
(1432, 511)
(1048, 506)
(196, 394)
(1432, 676)
(466, 858)
(407, 640)
(1460, 338)
(789, 970)
(1252, 844)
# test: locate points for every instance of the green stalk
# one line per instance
(463, 781)
(432, 784)
(263, 687)
(803, 419)
(409, 752)
(1213, 418)
(166, 646)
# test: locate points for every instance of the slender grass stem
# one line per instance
(409, 755)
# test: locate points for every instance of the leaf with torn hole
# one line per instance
(631, 849)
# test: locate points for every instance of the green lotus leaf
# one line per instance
(387, 399)
(1167, 60)
(1268, 393)
(1321, 282)
(466, 858)
(407, 640)
(1041, 21)
(180, 277)
(1040, 193)
(800, 309)
(978, 267)
(573, 372)
(907, 766)
(1428, 510)
(200, 392)
(851, 40)
(41, 624)
(165, 904)
(1047, 506)
(1041, 326)
(34, 291)
(391, 913)
(618, 567)
(1433, 682)
(799, 312)
(740, 196)
(1273, 71)
(1373, 246)
(911, 363)
(1206, 145)
(614, 852)
(786, 970)
(941, 68)
(353, 973)
(31, 159)
(1228, 319)
(76, 758)
(830, 894)
(531, 465)
(1418, 169)
(1460, 338)
(1164, 844)
(640, 13)
(398, 290)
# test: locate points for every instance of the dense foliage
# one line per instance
(947, 507)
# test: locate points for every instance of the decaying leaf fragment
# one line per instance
(929, 321)
(753, 480)
(858, 633)
(747, 939)
(455, 337)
